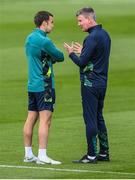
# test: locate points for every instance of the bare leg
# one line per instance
(43, 132)
(28, 128)
(44, 125)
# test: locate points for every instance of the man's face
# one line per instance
(49, 25)
(84, 22)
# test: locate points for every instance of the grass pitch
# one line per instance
(67, 134)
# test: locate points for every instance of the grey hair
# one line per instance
(87, 11)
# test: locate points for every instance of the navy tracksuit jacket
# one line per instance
(93, 63)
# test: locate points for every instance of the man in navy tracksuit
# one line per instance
(93, 62)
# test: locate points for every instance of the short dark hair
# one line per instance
(41, 16)
(87, 11)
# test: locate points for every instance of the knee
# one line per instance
(26, 131)
(91, 130)
(48, 122)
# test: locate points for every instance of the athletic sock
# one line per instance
(42, 153)
(103, 155)
(28, 152)
(91, 157)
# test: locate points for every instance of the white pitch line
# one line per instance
(67, 170)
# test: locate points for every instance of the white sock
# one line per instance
(28, 152)
(42, 153)
(91, 157)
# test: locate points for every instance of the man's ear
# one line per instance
(89, 19)
(44, 23)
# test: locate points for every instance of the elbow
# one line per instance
(81, 65)
(61, 58)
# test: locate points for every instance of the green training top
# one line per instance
(41, 54)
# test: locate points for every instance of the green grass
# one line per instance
(67, 134)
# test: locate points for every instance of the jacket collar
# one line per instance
(40, 31)
(99, 26)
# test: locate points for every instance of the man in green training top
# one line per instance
(41, 54)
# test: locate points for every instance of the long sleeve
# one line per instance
(87, 51)
(54, 52)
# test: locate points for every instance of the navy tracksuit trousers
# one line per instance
(92, 103)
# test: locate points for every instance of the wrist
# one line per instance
(70, 54)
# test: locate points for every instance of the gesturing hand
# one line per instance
(77, 48)
(68, 47)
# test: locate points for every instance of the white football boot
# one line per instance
(47, 160)
(30, 159)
